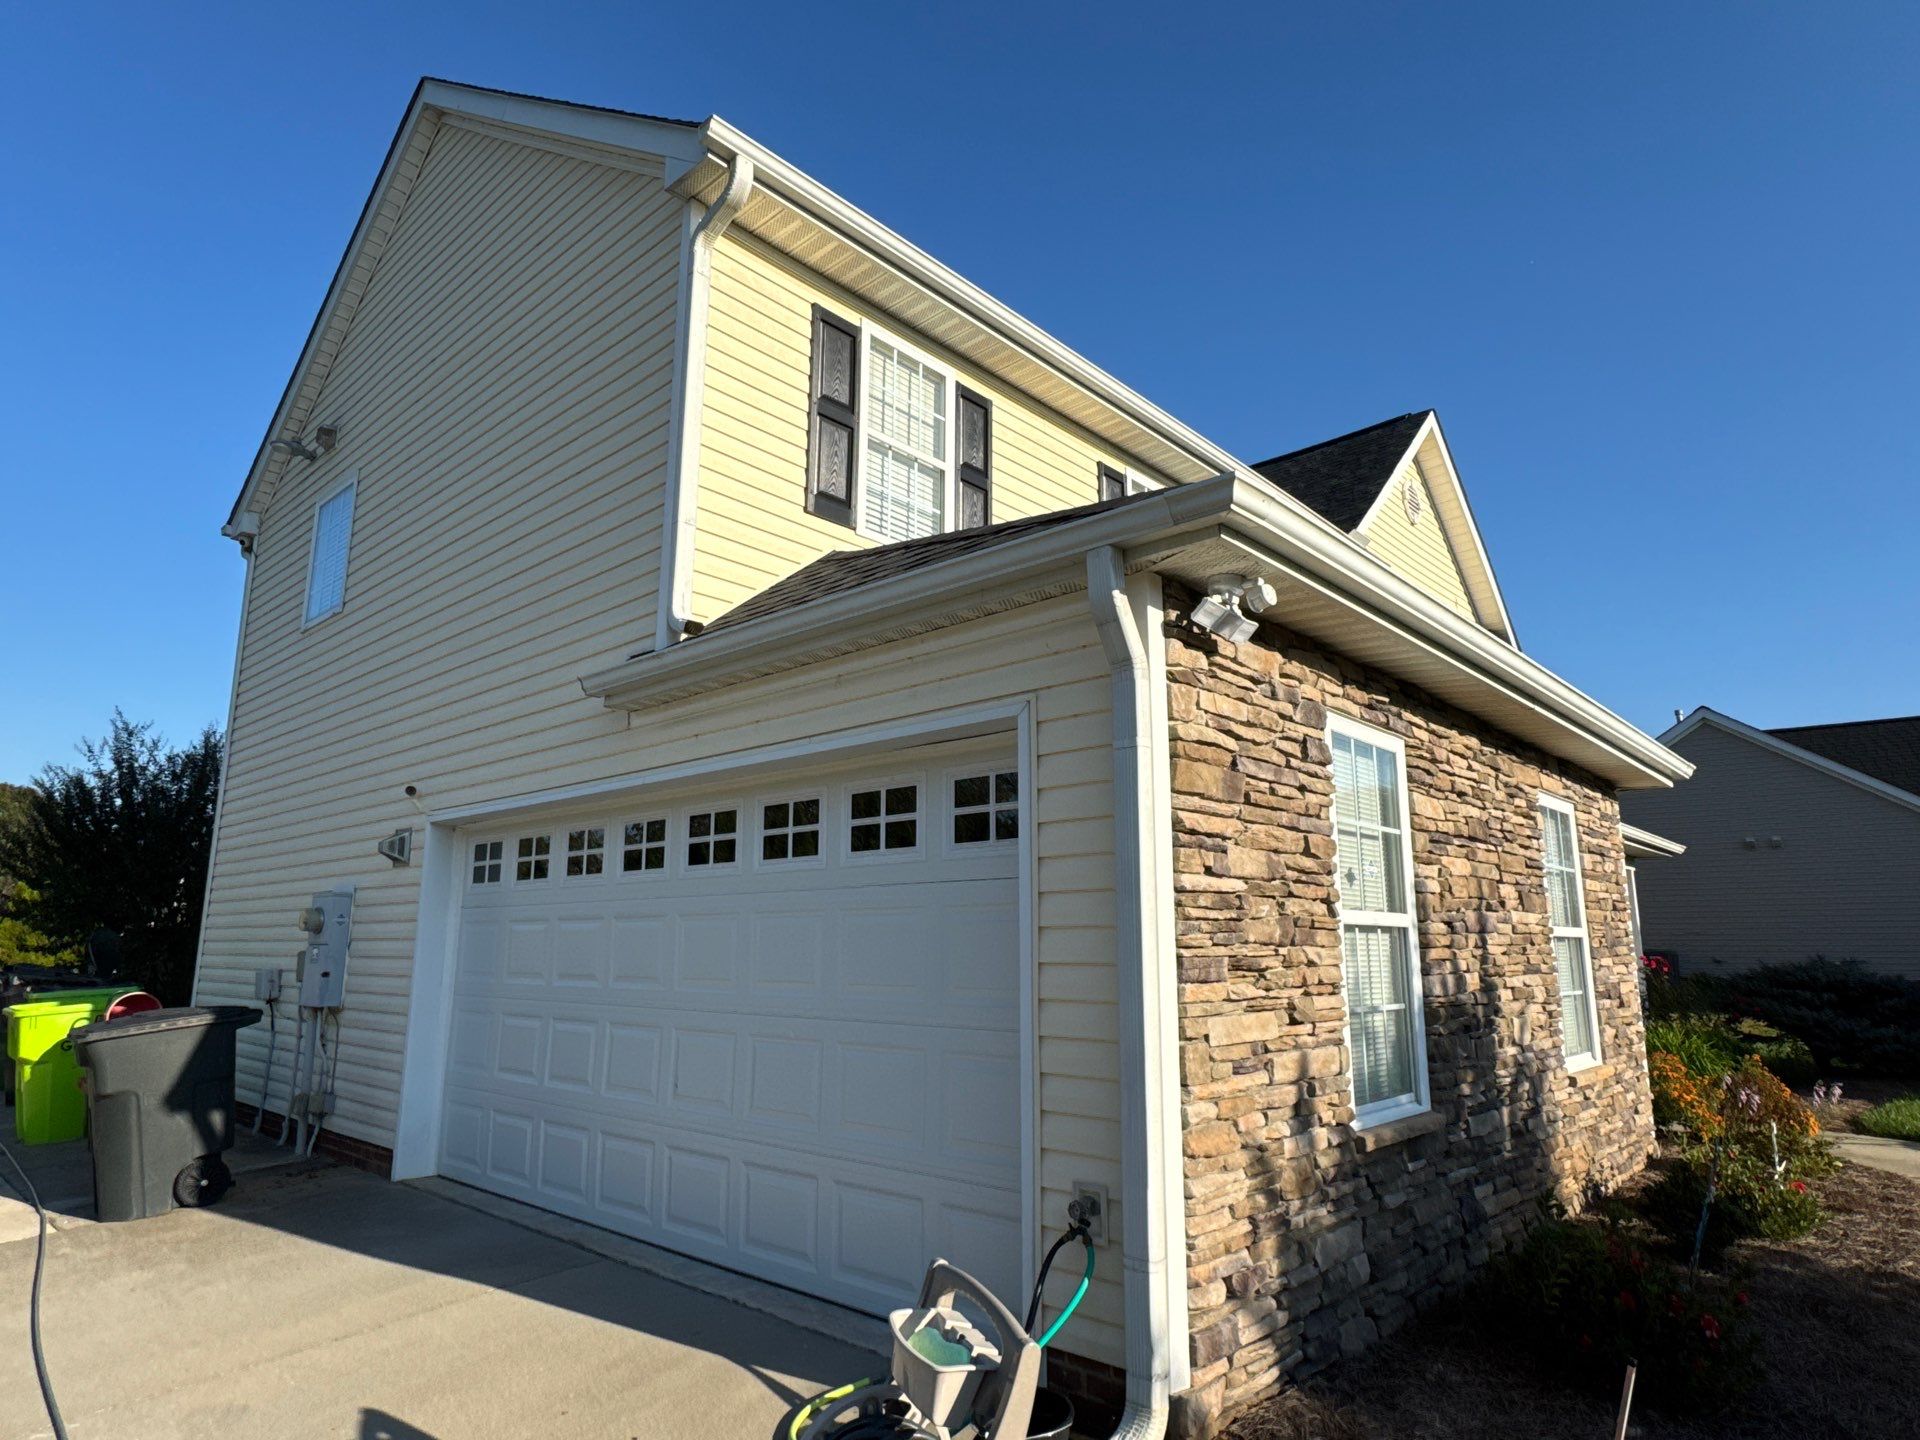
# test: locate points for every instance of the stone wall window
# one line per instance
(1572, 955)
(1386, 1030)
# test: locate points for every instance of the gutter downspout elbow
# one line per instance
(1142, 1137)
(682, 500)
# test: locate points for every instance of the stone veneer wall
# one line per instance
(1306, 1239)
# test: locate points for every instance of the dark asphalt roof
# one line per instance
(1341, 478)
(845, 569)
(1888, 750)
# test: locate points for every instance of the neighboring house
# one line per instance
(1800, 842)
(834, 840)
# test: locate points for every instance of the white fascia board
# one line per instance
(1644, 844)
(1702, 715)
(1151, 528)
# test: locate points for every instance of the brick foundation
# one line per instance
(1308, 1240)
(361, 1154)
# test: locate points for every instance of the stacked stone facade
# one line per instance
(1308, 1239)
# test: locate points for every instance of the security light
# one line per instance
(1223, 609)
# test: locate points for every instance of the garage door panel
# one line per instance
(809, 1072)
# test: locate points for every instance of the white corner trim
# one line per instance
(1144, 1123)
(680, 520)
(1702, 715)
(226, 763)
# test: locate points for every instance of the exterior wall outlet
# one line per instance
(266, 985)
(1085, 1192)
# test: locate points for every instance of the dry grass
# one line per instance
(1838, 1316)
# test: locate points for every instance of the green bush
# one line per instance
(1787, 1056)
(1751, 1201)
(1712, 1045)
(1851, 1019)
(1585, 1299)
(1896, 1120)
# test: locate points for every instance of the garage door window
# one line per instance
(884, 819)
(986, 808)
(486, 862)
(712, 838)
(586, 851)
(790, 829)
(645, 845)
(534, 852)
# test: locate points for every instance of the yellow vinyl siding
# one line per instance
(1417, 550)
(753, 527)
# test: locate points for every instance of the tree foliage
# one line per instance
(120, 841)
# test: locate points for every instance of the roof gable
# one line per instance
(602, 131)
(1776, 743)
(1350, 481)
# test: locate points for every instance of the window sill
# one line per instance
(1395, 1132)
(1590, 1072)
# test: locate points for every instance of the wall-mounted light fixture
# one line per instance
(1228, 599)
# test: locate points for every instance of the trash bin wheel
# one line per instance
(203, 1182)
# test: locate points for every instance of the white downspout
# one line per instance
(682, 501)
(1143, 1138)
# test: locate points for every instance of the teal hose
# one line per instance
(1072, 1305)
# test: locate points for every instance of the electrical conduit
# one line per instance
(1142, 1119)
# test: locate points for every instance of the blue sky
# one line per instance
(1654, 264)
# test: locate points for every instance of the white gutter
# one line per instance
(689, 397)
(1644, 844)
(1143, 1120)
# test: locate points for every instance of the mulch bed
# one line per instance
(1837, 1315)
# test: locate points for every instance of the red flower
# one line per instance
(1740, 1298)
(1799, 1187)
(1626, 1300)
(1677, 1305)
(1710, 1327)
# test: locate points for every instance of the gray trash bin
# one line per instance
(160, 1106)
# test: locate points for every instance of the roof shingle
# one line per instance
(1340, 478)
(1888, 750)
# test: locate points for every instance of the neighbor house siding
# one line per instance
(502, 395)
(753, 527)
(1843, 879)
(1417, 549)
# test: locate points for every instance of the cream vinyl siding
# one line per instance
(1844, 882)
(503, 396)
(1049, 652)
(753, 527)
(1418, 550)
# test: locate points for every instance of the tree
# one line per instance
(121, 841)
(20, 943)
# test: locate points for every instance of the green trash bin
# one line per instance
(48, 1105)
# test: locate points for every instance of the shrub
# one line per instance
(1707, 1045)
(1850, 1018)
(1746, 1141)
(1586, 1299)
(1896, 1120)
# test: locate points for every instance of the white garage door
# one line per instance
(777, 1028)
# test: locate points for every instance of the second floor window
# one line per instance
(903, 482)
(327, 565)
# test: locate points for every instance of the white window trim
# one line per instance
(949, 810)
(606, 850)
(514, 857)
(925, 810)
(1420, 1101)
(505, 861)
(1587, 1059)
(869, 332)
(824, 828)
(618, 847)
(307, 621)
(742, 828)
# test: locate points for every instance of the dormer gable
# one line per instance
(1393, 488)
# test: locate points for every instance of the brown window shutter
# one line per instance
(975, 471)
(833, 433)
(1113, 483)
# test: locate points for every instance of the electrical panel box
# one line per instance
(266, 985)
(329, 926)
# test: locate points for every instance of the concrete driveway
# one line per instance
(320, 1301)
